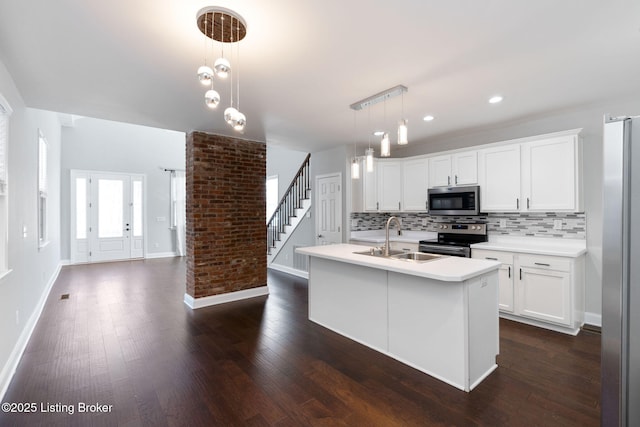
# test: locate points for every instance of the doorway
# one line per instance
(329, 209)
(107, 216)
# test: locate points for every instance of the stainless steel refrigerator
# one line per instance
(620, 399)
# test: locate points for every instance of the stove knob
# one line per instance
(445, 226)
(473, 227)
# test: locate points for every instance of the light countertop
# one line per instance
(378, 236)
(535, 245)
(448, 269)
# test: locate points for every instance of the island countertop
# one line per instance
(447, 268)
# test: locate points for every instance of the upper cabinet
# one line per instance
(454, 169)
(540, 175)
(499, 178)
(415, 184)
(390, 185)
(549, 181)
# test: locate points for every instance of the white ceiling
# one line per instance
(304, 62)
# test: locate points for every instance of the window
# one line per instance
(5, 112)
(42, 190)
(272, 195)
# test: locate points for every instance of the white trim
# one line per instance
(64, 262)
(9, 369)
(195, 303)
(289, 270)
(160, 255)
(593, 319)
(545, 325)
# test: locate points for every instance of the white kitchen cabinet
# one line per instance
(505, 277)
(415, 184)
(541, 290)
(370, 188)
(499, 178)
(389, 185)
(545, 288)
(453, 169)
(549, 179)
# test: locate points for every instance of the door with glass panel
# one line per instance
(106, 216)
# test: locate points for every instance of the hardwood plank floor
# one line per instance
(124, 338)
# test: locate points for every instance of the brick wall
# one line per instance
(225, 232)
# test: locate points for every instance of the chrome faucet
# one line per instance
(386, 236)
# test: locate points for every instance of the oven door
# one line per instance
(451, 250)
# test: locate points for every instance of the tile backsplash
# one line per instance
(542, 224)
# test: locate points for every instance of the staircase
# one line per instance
(293, 206)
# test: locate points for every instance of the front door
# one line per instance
(107, 216)
(329, 209)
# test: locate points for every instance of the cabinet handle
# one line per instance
(377, 205)
(527, 203)
(426, 205)
(509, 272)
(520, 274)
(399, 206)
(456, 179)
(491, 258)
(517, 203)
(542, 264)
(448, 180)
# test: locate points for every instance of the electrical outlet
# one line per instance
(156, 245)
(286, 257)
(17, 317)
(354, 223)
(161, 219)
(424, 222)
(503, 222)
(557, 224)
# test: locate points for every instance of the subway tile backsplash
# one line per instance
(515, 224)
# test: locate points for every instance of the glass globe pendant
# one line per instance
(239, 122)
(205, 75)
(230, 115)
(212, 98)
(222, 68)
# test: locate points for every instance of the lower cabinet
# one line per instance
(540, 288)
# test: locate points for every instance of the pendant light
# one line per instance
(205, 73)
(240, 119)
(231, 114)
(403, 132)
(355, 165)
(369, 152)
(385, 144)
(222, 66)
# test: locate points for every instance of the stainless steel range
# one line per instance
(455, 238)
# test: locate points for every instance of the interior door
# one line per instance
(329, 209)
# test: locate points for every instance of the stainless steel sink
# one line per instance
(379, 252)
(416, 256)
(400, 255)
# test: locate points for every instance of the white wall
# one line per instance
(284, 163)
(101, 145)
(23, 290)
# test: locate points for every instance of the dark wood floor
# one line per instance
(124, 338)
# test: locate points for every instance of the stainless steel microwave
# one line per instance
(454, 200)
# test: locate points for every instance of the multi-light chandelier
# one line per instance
(225, 26)
(385, 142)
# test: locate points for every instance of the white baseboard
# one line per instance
(160, 255)
(64, 262)
(289, 270)
(195, 303)
(9, 369)
(593, 319)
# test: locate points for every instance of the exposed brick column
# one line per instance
(226, 202)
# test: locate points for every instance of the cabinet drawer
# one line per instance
(503, 257)
(545, 262)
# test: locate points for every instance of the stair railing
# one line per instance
(291, 200)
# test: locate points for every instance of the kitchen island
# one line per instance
(439, 316)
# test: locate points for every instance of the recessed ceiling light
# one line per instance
(428, 118)
(495, 99)
(378, 133)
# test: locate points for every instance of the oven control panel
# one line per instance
(461, 228)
